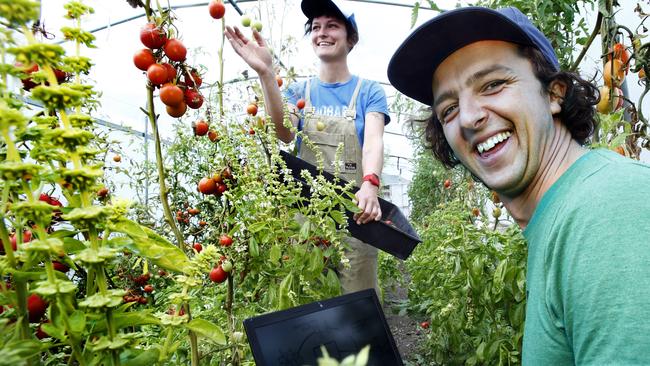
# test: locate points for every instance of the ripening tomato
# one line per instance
(207, 186)
(175, 50)
(300, 104)
(225, 240)
(143, 59)
(218, 275)
(447, 183)
(607, 104)
(619, 52)
(178, 110)
(157, 74)
(201, 128)
(252, 109)
(213, 135)
(278, 78)
(614, 72)
(102, 192)
(193, 98)
(217, 9)
(152, 36)
(171, 95)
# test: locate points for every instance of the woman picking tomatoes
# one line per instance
(339, 107)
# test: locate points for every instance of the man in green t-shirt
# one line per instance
(502, 108)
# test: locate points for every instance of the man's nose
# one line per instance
(472, 112)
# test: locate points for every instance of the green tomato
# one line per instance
(257, 26)
(246, 21)
(226, 266)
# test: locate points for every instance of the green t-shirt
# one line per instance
(588, 278)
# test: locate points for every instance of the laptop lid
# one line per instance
(344, 325)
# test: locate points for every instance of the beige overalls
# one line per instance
(362, 273)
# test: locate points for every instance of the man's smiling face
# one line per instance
(495, 115)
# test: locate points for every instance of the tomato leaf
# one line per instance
(149, 244)
(274, 254)
(208, 330)
(304, 230)
(284, 300)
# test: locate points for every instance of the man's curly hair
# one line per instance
(577, 114)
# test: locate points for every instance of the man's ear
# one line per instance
(556, 91)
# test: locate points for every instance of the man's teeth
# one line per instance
(492, 141)
(325, 44)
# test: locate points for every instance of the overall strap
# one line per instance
(351, 111)
(308, 107)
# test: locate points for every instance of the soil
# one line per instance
(406, 331)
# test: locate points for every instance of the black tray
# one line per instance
(393, 234)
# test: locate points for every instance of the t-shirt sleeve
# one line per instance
(377, 101)
(294, 92)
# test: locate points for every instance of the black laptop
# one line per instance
(344, 325)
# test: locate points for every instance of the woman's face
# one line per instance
(329, 38)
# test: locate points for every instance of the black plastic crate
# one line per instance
(393, 234)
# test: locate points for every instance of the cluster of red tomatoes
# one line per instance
(164, 63)
(217, 184)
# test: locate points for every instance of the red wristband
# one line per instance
(372, 178)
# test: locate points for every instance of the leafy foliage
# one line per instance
(470, 281)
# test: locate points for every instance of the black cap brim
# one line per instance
(411, 68)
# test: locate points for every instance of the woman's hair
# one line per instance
(577, 113)
(353, 35)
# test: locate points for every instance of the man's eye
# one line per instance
(447, 113)
(494, 85)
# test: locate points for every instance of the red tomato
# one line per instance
(171, 95)
(171, 71)
(61, 76)
(221, 188)
(157, 74)
(193, 79)
(300, 104)
(252, 109)
(218, 274)
(207, 186)
(148, 289)
(36, 308)
(198, 247)
(193, 98)
(201, 128)
(152, 36)
(217, 9)
(178, 110)
(58, 266)
(175, 50)
(225, 240)
(424, 325)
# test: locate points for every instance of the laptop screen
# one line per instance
(344, 325)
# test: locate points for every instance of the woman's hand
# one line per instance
(368, 202)
(256, 54)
